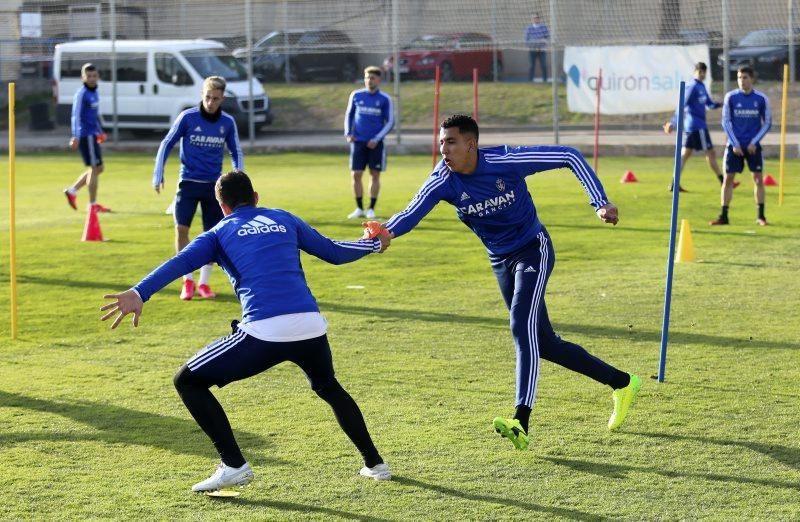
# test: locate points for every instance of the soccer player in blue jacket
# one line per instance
(696, 136)
(746, 119)
(259, 249)
(368, 119)
(203, 132)
(487, 187)
(87, 134)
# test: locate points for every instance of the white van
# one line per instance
(156, 80)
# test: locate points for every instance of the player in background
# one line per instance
(696, 136)
(259, 249)
(746, 119)
(368, 119)
(487, 187)
(87, 134)
(203, 132)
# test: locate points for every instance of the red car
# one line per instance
(455, 53)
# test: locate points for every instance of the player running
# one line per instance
(259, 249)
(487, 187)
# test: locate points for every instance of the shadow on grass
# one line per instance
(292, 506)
(115, 424)
(620, 471)
(788, 455)
(608, 332)
(572, 514)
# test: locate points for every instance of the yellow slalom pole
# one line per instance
(784, 108)
(12, 218)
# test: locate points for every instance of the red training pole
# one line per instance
(597, 119)
(475, 94)
(434, 148)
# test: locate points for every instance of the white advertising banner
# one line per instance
(636, 79)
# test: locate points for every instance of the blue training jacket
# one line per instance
(86, 113)
(746, 118)
(259, 250)
(494, 201)
(202, 141)
(696, 100)
(369, 116)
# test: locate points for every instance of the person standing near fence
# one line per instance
(203, 131)
(537, 37)
(746, 119)
(87, 134)
(368, 119)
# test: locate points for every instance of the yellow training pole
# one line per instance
(784, 108)
(12, 222)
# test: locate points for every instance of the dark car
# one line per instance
(765, 50)
(456, 54)
(311, 54)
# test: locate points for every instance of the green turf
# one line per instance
(91, 428)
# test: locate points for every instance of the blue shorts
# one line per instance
(90, 150)
(190, 193)
(361, 156)
(735, 164)
(238, 356)
(698, 139)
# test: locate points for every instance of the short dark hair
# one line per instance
(465, 124)
(88, 67)
(700, 66)
(747, 70)
(235, 189)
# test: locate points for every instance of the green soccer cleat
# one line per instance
(512, 430)
(623, 401)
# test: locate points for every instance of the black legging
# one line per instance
(313, 357)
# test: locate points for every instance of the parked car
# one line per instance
(765, 50)
(455, 53)
(312, 54)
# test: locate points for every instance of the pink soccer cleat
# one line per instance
(205, 292)
(187, 292)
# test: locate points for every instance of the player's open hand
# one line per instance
(608, 213)
(371, 144)
(668, 128)
(738, 151)
(73, 143)
(128, 302)
(158, 188)
(751, 149)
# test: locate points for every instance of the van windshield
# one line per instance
(216, 62)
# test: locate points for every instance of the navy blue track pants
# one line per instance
(523, 276)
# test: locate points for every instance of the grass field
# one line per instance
(91, 427)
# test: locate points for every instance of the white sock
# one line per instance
(205, 273)
(188, 277)
(72, 191)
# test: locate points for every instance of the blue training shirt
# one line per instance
(369, 116)
(494, 201)
(86, 112)
(696, 100)
(746, 118)
(202, 140)
(259, 250)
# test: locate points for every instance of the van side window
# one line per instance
(170, 70)
(131, 67)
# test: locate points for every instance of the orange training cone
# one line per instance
(769, 181)
(685, 244)
(628, 178)
(92, 232)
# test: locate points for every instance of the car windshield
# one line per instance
(278, 40)
(433, 41)
(762, 38)
(216, 62)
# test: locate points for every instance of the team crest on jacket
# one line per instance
(500, 184)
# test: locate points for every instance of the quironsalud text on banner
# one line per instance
(636, 79)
